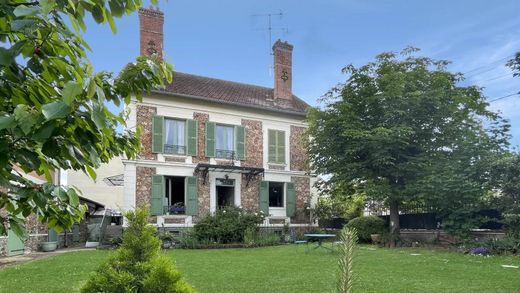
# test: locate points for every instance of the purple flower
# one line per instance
(479, 250)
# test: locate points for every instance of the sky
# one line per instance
(228, 40)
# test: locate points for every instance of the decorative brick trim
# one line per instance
(254, 143)
(144, 119)
(201, 155)
(143, 186)
(297, 149)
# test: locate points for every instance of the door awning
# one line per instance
(250, 172)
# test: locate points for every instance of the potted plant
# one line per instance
(49, 246)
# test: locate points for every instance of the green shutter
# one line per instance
(192, 127)
(192, 203)
(157, 134)
(264, 197)
(240, 142)
(290, 200)
(156, 202)
(210, 139)
(52, 235)
(276, 146)
(280, 147)
(15, 244)
(271, 142)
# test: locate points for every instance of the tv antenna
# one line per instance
(270, 27)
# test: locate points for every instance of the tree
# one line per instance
(506, 179)
(53, 107)
(402, 130)
(138, 265)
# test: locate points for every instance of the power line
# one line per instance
(485, 66)
(497, 77)
(503, 97)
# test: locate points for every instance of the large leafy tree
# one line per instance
(53, 107)
(403, 130)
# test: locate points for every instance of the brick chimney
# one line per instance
(151, 31)
(282, 52)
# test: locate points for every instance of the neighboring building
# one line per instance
(108, 187)
(36, 232)
(208, 143)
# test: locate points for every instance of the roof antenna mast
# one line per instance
(270, 28)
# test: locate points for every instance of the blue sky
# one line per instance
(223, 39)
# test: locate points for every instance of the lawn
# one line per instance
(289, 269)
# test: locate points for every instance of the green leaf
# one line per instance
(55, 110)
(25, 117)
(23, 10)
(98, 116)
(7, 122)
(73, 197)
(6, 57)
(21, 24)
(91, 172)
(70, 91)
(47, 6)
(44, 132)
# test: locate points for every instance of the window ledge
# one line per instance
(277, 164)
(277, 208)
(174, 156)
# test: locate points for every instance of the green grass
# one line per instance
(289, 269)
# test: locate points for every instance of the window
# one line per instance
(276, 191)
(276, 143)
(225, 142)
(174, 137)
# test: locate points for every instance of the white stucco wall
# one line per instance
(99, 191)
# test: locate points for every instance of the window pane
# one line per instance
(174, 141)
(225, 141)
(276, 190)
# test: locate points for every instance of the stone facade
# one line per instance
(143, 186)
(203, 196)
(145, 119)
(302, 188)
(297, 149)
(254, 139)
(250, 193)
(201, 144)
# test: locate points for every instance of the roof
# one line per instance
(229, 92)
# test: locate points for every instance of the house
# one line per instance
(208, 143)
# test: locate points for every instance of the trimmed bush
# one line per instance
(138, 265)
(365, 226)
(227, 225)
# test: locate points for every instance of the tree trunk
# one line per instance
(394, 222)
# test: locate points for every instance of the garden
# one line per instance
(289, 268)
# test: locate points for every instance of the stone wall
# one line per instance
(250, 193)
(297, 149)
(145, 119)
(203, 196)
(143, 186)
(254, 141)
(302, 190)
(201, 145)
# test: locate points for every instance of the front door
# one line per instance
(15, 244)
(225, 192)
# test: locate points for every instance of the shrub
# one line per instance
(227, 225)
(508, 245)
(138, 265)
(365, 226)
